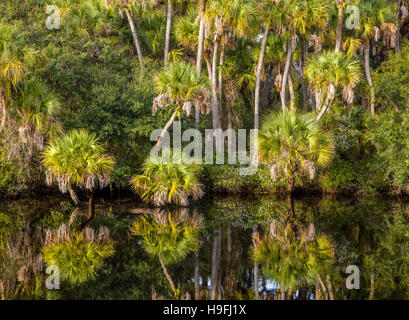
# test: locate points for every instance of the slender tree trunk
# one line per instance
(291, 90)
(291, 47)
(340, 22)
(165, 271)
(330, 291)
(168, 27)
(221, 64)
(282, 291)
(3, 108)
(73, 195)
(317, 290)
(215, 102)
(135, 37)
(369, 77)
(258, 79)
(372, 288)
(107, 4)
(215, 266)
(200, 49)
(256, 272)
(323, 286)
(397, 35)
(166, 128)
(197, 276)
(91, 205)
(328, 101)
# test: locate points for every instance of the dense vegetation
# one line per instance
(228, 64)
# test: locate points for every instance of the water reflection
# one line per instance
(264, 248)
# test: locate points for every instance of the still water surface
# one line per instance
(302, 252)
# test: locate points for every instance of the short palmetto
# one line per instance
(292, 142)
(169, 180)
(77, 158)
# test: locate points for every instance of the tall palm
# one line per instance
(13, 65)
(328, 71)
(373, 13)
(78, 159)
(300, 17)
(172, 180)
(168, 238)
(128, 6)
(291, 142)
(178, 86)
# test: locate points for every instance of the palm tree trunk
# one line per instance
(291, 47)
(323, 286)
(372, 288)
(291, 90)
(215, 102)
(135, 37)
(165, 271)
(328, 101)
(197, 276)
(3, 108)
(166, 128)
(369, 77)
(330, 291)
(73, 195)
(168, 27)
(200, 49)
(221, 64)
(317, 290)
(282, 290)
(340, 22)
(258, 79)
(107, 4)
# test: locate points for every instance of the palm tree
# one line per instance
(168, 238)
(78, 158)
(292, 257)
(171, 180)
(328, 71)
(13, 65)
(300, 17)
(373, 13)
(178, 86)
(36, 109)
(292, 143)
(78, 255)
(127, 6)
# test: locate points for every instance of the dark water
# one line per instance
(306, 252)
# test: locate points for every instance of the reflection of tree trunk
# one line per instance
(91, 205)
(369, 78)
(167, 35)
(135, 37)
(256, 292)
(372, 289)
(258, 79)
(215, 265)
(166, 128)
(165, 271)
(197, 276)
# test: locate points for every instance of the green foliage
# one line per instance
(171, 178)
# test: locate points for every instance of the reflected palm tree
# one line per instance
(292, 255)
(169, 237)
